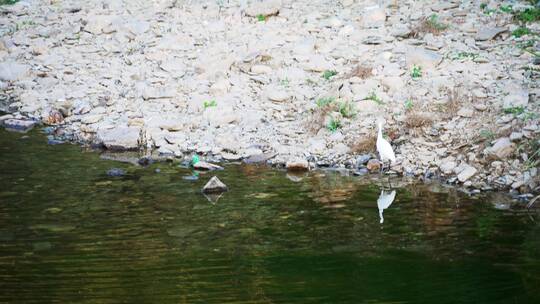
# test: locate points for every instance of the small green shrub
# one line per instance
(322, 102)
(8, 2)
(521, 31)
(408, 105)
(347, 109)
(373, 97)
(333, 125)
(209, 103)
(328, 74)
(434, 23)
(416, 72)
(515, 110)
(261, 18)
(528, 15)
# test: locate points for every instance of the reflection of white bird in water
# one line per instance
(384, 201)
(383, 147)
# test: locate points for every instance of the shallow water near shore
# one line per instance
(71, 233)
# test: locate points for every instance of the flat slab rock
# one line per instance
(204, 166)
(214, 185)
(489, 33)
(122, 138)
(19, 125)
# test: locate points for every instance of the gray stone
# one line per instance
(502, 148)
(116, 172)
(13, 71)
(518, 98)
(277, 95)
(297, 165)
(214, 185)
(19, 125)
(374, 17)
(447, 167)
(120, 138)
(466, 173)
(488, 33)
(362, 160)
(423, 58)
(263, 7)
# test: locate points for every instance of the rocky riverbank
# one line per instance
(298, 82)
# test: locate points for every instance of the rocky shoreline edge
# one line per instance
(119, 148)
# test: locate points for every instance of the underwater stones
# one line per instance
(115, 172)
(214, 185)
(19, 125)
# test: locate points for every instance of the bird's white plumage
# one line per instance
(384, 148)
(384, 201)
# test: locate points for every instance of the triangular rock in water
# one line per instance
(214, 185)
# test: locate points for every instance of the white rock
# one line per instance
(518, 98)
(13, 71)
(261, 69)
(448, 167)
(263, 7)
(502, 148)
(120, 138)
(423, 58)
(465, 112)
(466, 173)
(317, 63)
(373, 17)
(214, 185)
(276, 94)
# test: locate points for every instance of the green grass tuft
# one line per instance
(329, 74)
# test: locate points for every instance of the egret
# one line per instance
(384, 201)
(384, 148)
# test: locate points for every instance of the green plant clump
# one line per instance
(434, 23)
(8, 2)
(373, 97)
(328, 74)
(209, 103)
(528, 15)
(515, 110)
(416, 72)
(521, 31)
(408, 104)
(261, 18)
(333, 125)
(347, 109)
(322, 102)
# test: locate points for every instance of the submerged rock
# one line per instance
(116, 172)
(19, 125)
(214, 185)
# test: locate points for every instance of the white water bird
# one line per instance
(384, 201)
(383, 147)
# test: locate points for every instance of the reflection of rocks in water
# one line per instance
(129, 157)
(295, 177)
(213, 197)
(384, 201)
(329, 188)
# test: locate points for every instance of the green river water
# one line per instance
(69, 233)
